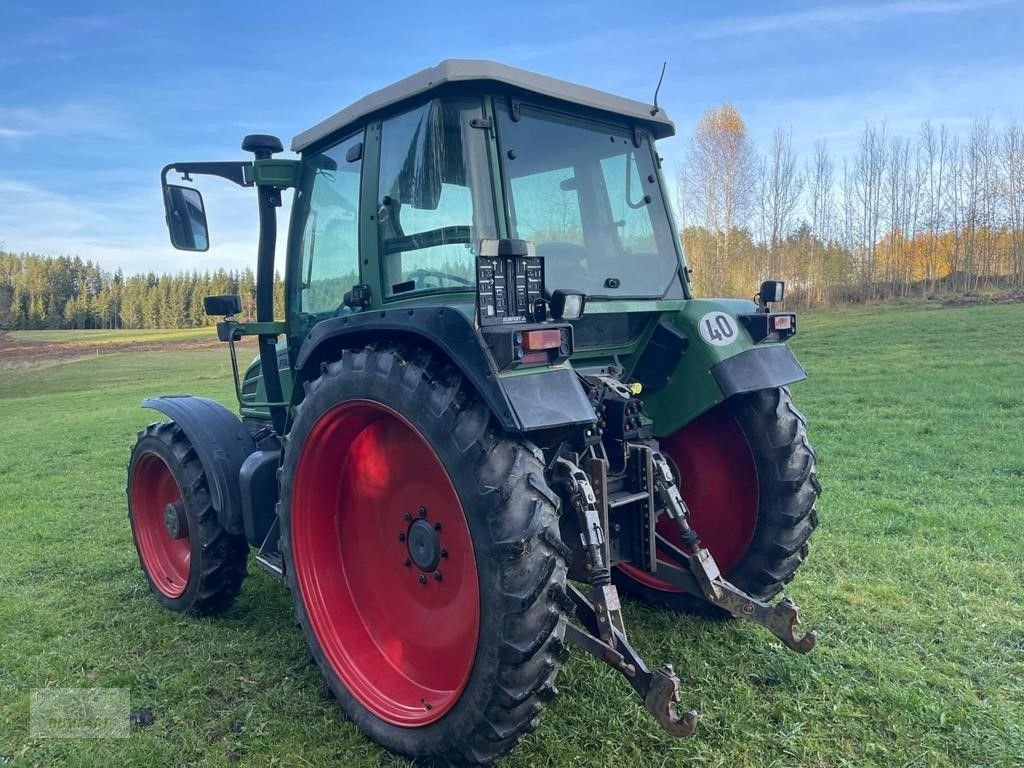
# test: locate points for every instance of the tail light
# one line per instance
(769, 326)
(526, 346)
(536, 341)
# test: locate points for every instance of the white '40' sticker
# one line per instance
(717, 328)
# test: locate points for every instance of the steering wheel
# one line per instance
(428, 239)
(564, 258)
(420, 274)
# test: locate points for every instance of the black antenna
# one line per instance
(656, 109)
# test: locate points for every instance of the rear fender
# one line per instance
(222, 444)
(716, 366)
(524, 401)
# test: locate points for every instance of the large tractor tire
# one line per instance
(421, 548)
(747, 474)
(192, 564)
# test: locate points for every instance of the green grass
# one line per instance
(914, 582)
(94, 337)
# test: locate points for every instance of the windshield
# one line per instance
(590, 200)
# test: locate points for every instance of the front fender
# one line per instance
(707, 373)
(222, 444)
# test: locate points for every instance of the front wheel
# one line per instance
(421, 546)
(192, 564)
(747, 474)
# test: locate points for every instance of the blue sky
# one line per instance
(96, 97)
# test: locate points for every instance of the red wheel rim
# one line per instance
(166, 559)
(719, 485)
(402, 641)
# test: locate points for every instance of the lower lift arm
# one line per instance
(602, 632)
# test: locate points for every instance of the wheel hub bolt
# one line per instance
(175, 520)
(438, 576)
(423, 578)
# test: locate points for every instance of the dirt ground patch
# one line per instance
(972, 301)
(15, 353)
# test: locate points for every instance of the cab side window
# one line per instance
(435, 197)
(330, 237)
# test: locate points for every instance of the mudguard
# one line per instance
(529, 400)
(222, 443)
(716, 365)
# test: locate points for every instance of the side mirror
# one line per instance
(222, 305)
(186, 218)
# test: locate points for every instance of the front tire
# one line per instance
(192, 564)
(747, 472)
(421, 547)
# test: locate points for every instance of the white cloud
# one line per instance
(127, 230)
(954, 96)
(73, 118)
(56, 33)
(26, 206)
(834, 15)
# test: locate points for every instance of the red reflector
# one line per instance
(533, 358)
(534, 341)
(782, 322)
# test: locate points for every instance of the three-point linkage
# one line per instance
(601, 631)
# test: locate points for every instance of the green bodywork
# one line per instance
(690, 391)
(281, 174)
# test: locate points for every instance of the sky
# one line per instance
(96, 97)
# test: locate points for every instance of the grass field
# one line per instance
(915, 582)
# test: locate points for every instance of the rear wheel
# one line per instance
(192, 564)
(747, 474)
(422, 550)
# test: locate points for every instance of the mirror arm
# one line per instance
(234, 171)
(278, 175)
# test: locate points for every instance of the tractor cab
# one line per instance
(454, 171)
(490, 379)
(472, 151)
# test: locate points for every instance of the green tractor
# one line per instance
(492, 406)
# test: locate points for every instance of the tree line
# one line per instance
(38, 292)
(921, 214)
(928, 213)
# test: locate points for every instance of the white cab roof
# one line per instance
(463, 70)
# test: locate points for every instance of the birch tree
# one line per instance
(718, 184)
(780, 187)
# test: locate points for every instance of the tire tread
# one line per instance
(223, 565)
(531, 561)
